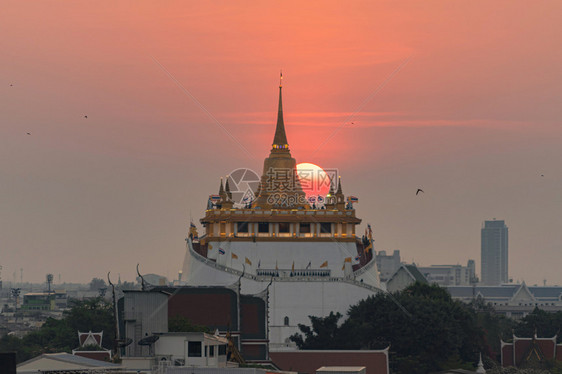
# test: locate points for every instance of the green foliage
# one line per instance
(436, 332)
(96, 284)
(428, 331)
(495, 326)
(324, 334)
(543, 323)
(62, 335)
(89, 347)
(182, 324)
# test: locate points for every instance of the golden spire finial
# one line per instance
(281, 79)
(339, 191)
(280, 138)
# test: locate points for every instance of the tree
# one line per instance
(183, 324)
(324, 333)
(425, 329)
(495, 326)
(545, 324)
(96, 284)
(62, 335)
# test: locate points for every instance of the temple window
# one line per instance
(304, 229)
(263, 228)
(325, 228)
(284, 227)
(286, 321)
(242, 227)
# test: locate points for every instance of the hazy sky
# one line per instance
(472, 118)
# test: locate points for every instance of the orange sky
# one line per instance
(472, 118)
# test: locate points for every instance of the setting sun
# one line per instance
(314, 180)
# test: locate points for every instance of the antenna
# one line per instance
(116, 337)
(49, 281)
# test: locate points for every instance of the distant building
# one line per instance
(450, 275)
(387, 264)
(512, 300)
(154, 279)
(245, 317)
(403, 277)
(191, 349)
(44, 300)
(494, 253)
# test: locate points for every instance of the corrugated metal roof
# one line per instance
(78, 360)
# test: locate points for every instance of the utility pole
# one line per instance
(16, 294)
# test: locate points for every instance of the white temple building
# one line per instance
(309, 258)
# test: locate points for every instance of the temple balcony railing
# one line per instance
(293, 273)
(295, 278)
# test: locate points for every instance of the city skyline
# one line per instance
(494, 253)
(456, 100)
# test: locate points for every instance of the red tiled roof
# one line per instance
(521, 346)
(376, 362)
(507, 354)
(513, 354)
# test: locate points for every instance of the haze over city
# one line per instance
(105, 159)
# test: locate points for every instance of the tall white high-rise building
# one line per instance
(494, 253)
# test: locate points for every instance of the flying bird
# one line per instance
(85, 116)
(11, 85)
(28, 133)
(418, 191)
(542, 175)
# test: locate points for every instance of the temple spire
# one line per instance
(221, 189)
(339, 191)
(280, 139)
(227, 188)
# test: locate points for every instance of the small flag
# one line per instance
(221, 251)
(193, 232)
(347, 259)
(324, 264)
(309, 265)
(357, 259)
(234, 256)
(248, 261)
(352, 199)
(214, 197)
(293, 268)
(343, 267)
(276, 268)
(368, 248)
(259, 263)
